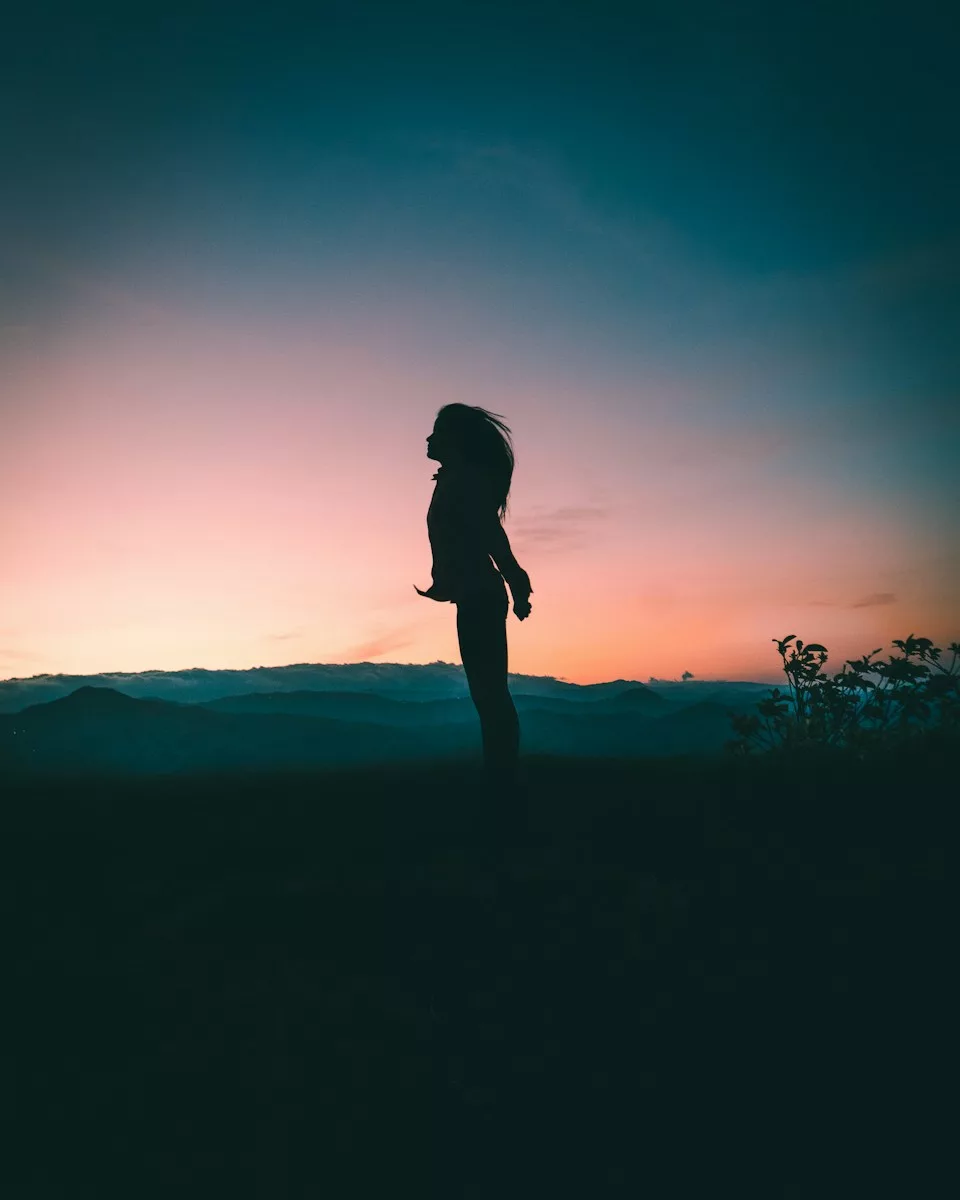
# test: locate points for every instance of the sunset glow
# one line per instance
(220, 360)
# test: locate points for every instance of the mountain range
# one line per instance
(411, 712)
(401, 681)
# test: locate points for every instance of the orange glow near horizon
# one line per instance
(175, 500)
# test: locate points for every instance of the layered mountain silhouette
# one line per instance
(367, 706)
(399, 681)
(102, 728)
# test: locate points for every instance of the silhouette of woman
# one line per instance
(469, 501)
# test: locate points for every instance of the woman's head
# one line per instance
(468, 434)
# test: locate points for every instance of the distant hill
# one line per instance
(101, 729)
(96, 702)
(640, 699)
(349, 706)
(423, 682)
(96, 728)
(388, 710)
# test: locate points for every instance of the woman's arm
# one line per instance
(516, 577)
(493, 538)
(497, 545)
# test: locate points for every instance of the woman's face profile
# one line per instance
(438, 443)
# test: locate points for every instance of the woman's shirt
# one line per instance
(464, 528)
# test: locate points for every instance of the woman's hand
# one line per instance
(521, 591)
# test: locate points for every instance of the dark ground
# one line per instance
(687, 979)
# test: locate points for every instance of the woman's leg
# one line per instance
(482, 631)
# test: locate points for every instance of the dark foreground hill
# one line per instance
(684, 979)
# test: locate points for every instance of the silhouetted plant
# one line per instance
(851, 711)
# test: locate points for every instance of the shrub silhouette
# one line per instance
(851, 711)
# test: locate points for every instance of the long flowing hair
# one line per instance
(485, 442)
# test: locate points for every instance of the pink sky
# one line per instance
(180, 495)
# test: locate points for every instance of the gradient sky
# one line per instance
(704, 260)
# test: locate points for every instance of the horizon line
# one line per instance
(367, 663)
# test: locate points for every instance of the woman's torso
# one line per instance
(460, 504)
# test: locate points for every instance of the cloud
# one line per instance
(916, 266)
(875, 599)
(553, 189)
(284, 637)
(658, 246)
(556, 529)
(376, 646)
(651, 241)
